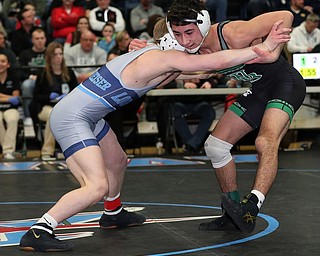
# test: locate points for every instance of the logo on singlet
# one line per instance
(99, 81)
(239, 73)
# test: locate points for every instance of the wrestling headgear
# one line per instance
(202, 21)
(169, 43)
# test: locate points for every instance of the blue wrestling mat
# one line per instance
(132, 162)
(159, 161)
(14, 166)
(61, 165)
(249, 158)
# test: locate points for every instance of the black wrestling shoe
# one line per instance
(41, 241)
(121, 220)
(244, 213)
(221, 223)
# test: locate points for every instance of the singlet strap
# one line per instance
(223, 43)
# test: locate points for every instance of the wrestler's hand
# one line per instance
(137, 44)
(276, 36)
(266, 50)
(263, 56)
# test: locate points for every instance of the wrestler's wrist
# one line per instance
(265, 47)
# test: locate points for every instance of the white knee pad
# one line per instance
(218, 151)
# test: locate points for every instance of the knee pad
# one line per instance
(218, 151)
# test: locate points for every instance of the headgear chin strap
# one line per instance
(169, 43)
(203, 22)
(194, 50)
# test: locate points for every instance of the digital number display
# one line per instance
(308, 64)
(308, 72)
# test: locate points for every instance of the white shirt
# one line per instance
(97, 25)
(301, 40)
(75, 56)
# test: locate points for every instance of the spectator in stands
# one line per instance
(85, 53)
(163, 105)
(33, 58)
(306, 36)
(193, 107)
(21, 39)
(4, 48)
(299, 11)
(148, 34)
(9, 101)
(123, 40)
(74, 37)
(217, 9)
(49, 5)
(56, 81)
(105, 13)
(314, 4)
(161, 112)
(10, 11)
(140, 15)
(37, 20)
(18, 5)
(108, 40)
(2, 28)
(64, 20)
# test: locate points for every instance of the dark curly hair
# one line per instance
(182, 11)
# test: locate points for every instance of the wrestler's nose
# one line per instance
(185, 40)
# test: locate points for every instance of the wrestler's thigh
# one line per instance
(275, 123)
(231, 127)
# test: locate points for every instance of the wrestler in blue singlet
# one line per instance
(77, 120)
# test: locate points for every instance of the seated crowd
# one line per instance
(48, 47)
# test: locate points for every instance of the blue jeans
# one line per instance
(202, 110)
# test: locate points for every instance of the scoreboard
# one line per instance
(308, 64)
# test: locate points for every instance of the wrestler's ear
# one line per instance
(204, 22)
(169, 43)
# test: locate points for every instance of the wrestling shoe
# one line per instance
(244, 213)
(121, 220)
(41, 241)
(224, 222)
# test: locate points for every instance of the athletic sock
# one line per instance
(46, 223)
(112, 205)
(234, 195)
(260, 197)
